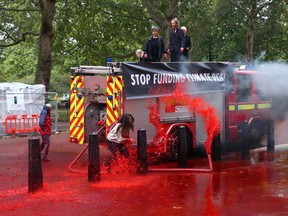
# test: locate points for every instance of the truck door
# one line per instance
(249, 106)
(94, 114)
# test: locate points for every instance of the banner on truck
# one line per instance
(146, 80)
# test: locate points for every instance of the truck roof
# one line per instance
(95, 70)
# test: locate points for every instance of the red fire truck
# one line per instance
(100, 95)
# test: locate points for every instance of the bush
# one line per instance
(63, 115)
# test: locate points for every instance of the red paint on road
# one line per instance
(257, 186)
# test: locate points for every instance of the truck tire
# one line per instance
(255, 133)
(174, 143)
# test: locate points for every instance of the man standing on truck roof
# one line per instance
(177, 41)
(187, 43)
(154, 47)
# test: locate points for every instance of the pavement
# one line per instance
(257, 185)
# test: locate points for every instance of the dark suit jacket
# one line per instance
(187, 45)
(177, 40)
(148, 48)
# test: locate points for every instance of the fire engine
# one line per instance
(100, 95)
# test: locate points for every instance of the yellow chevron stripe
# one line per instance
(81, 115)
(109, 122)
(112, 118)
(79, 131)
(118, 84)
(80, 134)
(112, 115)
(79, 104)
(116, 102)
(109, 92)
(78, 113)
(109, 103)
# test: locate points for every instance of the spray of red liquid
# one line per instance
(127, 166)
(121, 165)
(196, 105)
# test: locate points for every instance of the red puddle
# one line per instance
(119, 180)
(196, 105)
(122, 165)
(237, 188)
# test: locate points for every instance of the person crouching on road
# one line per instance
(119, 136)
(45, 130)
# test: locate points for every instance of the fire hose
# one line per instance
(70, 167)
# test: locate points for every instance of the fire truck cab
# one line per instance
(246, 103)
(100, 95)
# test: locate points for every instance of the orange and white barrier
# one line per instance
(15, 124)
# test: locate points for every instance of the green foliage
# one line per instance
(87, 32)
(63, 115)
(231, 19)
(20, 62)
(60, 81)
(19, 21)
(98, 31)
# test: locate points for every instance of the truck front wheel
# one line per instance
(255, 133)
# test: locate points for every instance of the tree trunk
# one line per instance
(165, 26)
(250, 39)
(44, 64)
(162, 12)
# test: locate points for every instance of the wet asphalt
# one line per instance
(257, 185)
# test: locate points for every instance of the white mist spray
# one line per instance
(273, 82)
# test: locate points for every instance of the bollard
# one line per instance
(245, 141)
(182, 150)
(35, 176)
(94, 158)
(270, 137)
(142, 158)
(216, 148)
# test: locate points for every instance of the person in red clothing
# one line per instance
(45, 130)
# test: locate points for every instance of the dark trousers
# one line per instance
(45, 146)
(175, 56)
(154, 59)
(117, 148)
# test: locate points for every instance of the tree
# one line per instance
(87, 32)
(249, 16)
(18, 31)
(43, 72)
(162, 12)
(14, 31)
(253, 9)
